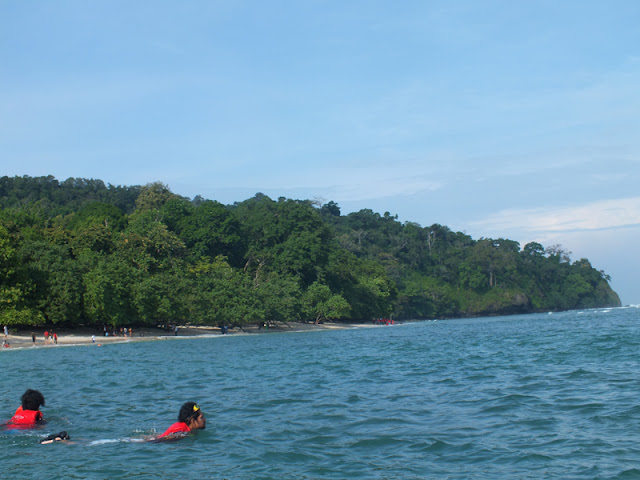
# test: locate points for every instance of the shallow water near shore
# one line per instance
(526, 397)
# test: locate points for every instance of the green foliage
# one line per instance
(428, 297)
(321, 304)
(278, 299)
(208, 229)
(331, 208)
(222, 295)
(51, 198)
(153, 196)
(79, 251)
(15, 289)
(161, 298)
(287, 237)
(98, 213)
(108, 297)
(58, 280)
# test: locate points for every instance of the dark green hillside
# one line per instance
(79, 251)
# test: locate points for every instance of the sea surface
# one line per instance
(544, 396)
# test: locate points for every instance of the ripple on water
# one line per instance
(526, 397)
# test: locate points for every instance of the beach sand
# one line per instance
(21, 338)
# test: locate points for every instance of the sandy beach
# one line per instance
(85, 335)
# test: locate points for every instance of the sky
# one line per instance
(496, 118)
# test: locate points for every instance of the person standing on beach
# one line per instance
(6, 332)
(28, 415)
(55, 338)
(33, 338)
(190, 418)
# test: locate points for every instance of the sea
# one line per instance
(542, 396)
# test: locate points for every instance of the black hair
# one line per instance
(32, 399)
(187, 411)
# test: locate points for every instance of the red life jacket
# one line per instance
(25, 418)
(178, 427)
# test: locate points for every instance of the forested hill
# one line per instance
(82, 252)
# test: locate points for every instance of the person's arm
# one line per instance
(56, 437)
(40, 419)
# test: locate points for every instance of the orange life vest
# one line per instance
(25, 418)
(178, 427)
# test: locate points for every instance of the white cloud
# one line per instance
(603, 214)
(384, 188)
(349, 183)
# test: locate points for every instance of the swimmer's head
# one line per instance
(187, 411)
(32, 399)
(191, 414)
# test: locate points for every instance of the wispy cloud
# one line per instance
(351, 183)
(599, 215)
(384, 188)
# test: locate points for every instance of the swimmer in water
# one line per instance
(190, 418)
(56, 437)
(28, 415)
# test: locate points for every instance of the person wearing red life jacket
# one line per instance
(28, 415)
(190, 418)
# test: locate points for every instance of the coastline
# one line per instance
(83, 335)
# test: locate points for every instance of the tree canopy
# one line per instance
(82, 252)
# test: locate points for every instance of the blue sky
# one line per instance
(505, 119)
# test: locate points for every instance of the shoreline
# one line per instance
(83, 335)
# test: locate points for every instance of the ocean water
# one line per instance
(520, 397)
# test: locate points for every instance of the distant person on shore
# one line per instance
(46, 337)
(190, 418)
(6, 331)
(55, 338)
(33, 337)
(28, 415)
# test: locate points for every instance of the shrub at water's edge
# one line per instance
(82, 252)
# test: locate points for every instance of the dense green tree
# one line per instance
(148, 244)
(95, 237)
(108, 295)
(58, 280)
(222, 295)
(331, 208)
(161, 298)
(153, 196)
(319, 303)
(98, 213)
(15, 291)
(278, 298)
(288, 237)
(209, 229)
(79, 251)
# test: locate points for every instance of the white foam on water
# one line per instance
(106, 441)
